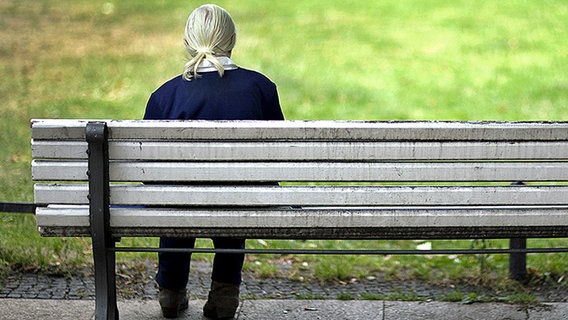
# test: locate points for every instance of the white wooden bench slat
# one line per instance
(309, 130)
(309, 151)
(307, 196)
(308, 171)
(386, 217)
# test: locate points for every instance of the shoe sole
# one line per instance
(172, 312)
(212, 314)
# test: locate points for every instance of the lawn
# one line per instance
(349, 60)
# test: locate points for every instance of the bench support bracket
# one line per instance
(518, 261)
(96, 134)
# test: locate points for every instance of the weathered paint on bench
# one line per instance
(347, 180)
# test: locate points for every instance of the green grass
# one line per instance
(359, 60)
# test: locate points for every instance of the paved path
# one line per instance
(139, 284)
(50, 309)
(34, 296)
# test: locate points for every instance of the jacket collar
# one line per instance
(208, 66)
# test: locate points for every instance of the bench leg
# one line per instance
(518, 261)
(105, 283)
(99, 214)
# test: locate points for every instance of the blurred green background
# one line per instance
(333, 59)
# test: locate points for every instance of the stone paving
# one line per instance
(139, 284)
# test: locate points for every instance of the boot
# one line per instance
(172, 302)
(222, 302)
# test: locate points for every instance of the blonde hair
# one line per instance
(209, 33)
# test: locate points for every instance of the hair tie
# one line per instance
(205, 50)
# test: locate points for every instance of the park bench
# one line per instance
(348, 180)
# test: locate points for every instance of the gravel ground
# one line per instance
(138, 283)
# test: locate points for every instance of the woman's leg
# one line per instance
(223, 299)
(227, 267)
(173, 268)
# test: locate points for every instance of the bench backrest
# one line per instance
(338, 179)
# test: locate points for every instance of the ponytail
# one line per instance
(209, 33)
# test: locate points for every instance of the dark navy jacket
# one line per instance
(240, 94)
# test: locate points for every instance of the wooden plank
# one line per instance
(309, 151)
(59, 149)
(308, 171)
(176, 195)
(61, 216)
(60, 170)
(307, 130)
(385, 217)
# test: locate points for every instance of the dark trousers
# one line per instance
(173, 268)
